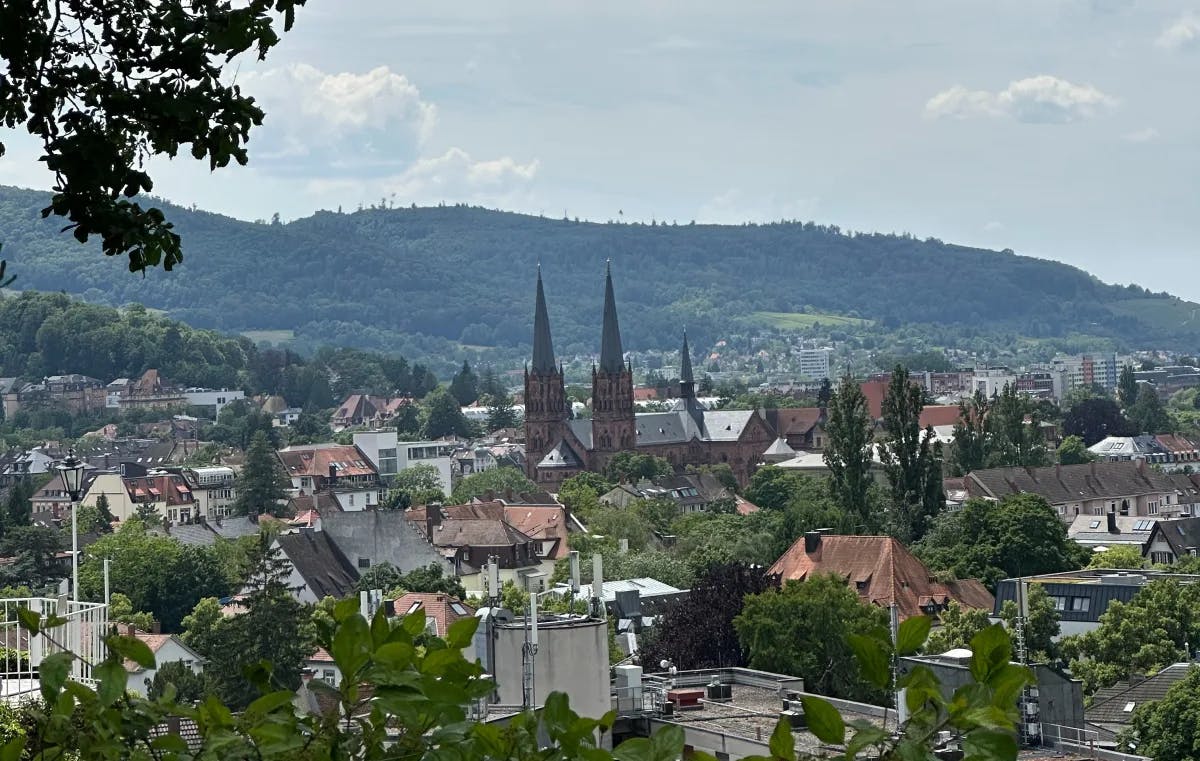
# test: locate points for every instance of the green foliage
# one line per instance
(581, 493)
(1148, 415)
(958, 627)
(1167, 729)
(1041, 625)
(158, 574)
(188, 685)
(35, 549)
(418, 484)
(1127, 386)
(912, 460)
(631, 467)
(848, 453)
(1141, 636)
(495, 480)
(773, 488)
(441, 415)
(430, 579)
(1021, 535)
(239, 422)
(1094, 418)
(309, 428)
(1072, 451)
(1126, 556)
(1010, 440)
(262, 486)
(803, 629)
(464, 387)
(121, 610)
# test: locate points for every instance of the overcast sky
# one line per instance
(1061, 129)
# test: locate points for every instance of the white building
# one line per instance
(814, 363)
(204, 397)
(214, 489)
(992, 381)
(389, 455)
(167, 648)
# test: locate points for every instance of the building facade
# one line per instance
(558, 447)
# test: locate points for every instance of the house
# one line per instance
(167, 648)
(692, 492)
(799, 427)
(881, 570)
(134, 486)
(339, 469)
(1099, 532)
(389, 455)
(1127, 488)
(1111, 711)
(212, 401)
(368, 538)
(1170, 540)
(150, 391)
(316, 567)
(323, 667)
(367, 410)
(441, 610)
(1081, 597)
(546, 524)
(214, 489)
(468, 535)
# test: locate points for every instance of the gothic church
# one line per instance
(557, 446)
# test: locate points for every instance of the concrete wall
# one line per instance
(572, 657)
(381, 536)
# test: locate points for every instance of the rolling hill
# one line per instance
(385, 278)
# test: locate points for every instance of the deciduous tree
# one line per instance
(1072, 451)
(912, 460)
(848, 453)
(495, 480)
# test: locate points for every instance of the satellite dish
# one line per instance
(664, 663)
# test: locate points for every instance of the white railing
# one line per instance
(21, 652)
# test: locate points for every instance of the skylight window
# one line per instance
(1128, 707)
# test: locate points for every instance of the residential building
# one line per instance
(1095, 488)
(441, 610)
(390, 455)
(167, 648)
(1088, 370)
(800, 427)
(1111, 710)
(558, 447)
(214, 488)
(1098, 532)
(212, 401)
(367, 410)
(150, 391)
(1170, 451)
(341, 470)
(692, 492)
(76, 393)
(468, 535)
(814, 363)
(368, 538)
(316, 566)
(991, 381)
(881, 570)
(1170, 540)
(133, 486)
(1082, 597)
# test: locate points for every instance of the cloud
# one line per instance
(456, 176)
(734, 206)
(1182, 34)
(993, 227)
(1037, 100)
(342, 122)
(1144, 135)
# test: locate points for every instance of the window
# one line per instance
(351, 500)
(1094, 524)
(387, 461)
(327, 675)
(1081, 604)
(1060, 602)
(1162, 557)
(1152, 507)
(364, 562)
(1128, 707)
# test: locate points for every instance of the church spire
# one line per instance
(687, 382)
(611, 360)
(543, 347)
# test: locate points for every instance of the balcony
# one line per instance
(21, 653)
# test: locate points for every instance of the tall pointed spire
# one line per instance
(685, 363)
(611, 360)
(543, 347)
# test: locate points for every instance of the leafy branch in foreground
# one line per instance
(404, 695)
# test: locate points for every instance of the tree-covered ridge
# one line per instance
(395, 277)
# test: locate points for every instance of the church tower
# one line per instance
(613, 427)
(545, 392)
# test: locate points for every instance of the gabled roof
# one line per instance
(320, 563)
(794, 421)
(545, 522)
(1182, 535)
(779, 448)
(882, 570)
(479, 524)
(314, 461)
(1060, 484)
(443, 609)
(1115, 705)
(1092, 530)
(561, 456)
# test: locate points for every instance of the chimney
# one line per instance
(332, 475)
(1092, 467)
(1058, 470)
(1112, 523)
(812, 541)
(508, 494)
(433, 518)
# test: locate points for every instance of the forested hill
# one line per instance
(386, 277)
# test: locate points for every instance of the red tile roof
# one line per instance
(875, 390)
(315, 461)
(645, 394)
(882, 570)
(794, 421)
(443, 609)
(543, 522)
(939, 414)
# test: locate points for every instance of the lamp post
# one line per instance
(71, 471)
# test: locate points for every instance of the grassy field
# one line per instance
(801, 320)
(271, 336)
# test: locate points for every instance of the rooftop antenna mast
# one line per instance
(574, 562)
(492, 580)
(598, 586)
(528, 652)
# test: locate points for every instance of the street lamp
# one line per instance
(71, 471)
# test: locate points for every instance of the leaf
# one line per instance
(667, 742)
(14, 749)
(351, 646)
(131, 648)
(271, 702)
(52, 673)
(634, 749)
(556, 712)
(823, 720)
(912, 634)
(782, 744)
(344, 609)
(865, 735)
(170, 743)
(991, 744)
(990, 648)
(112, 679)
(872, 658)
(29, 619)
(461, 632)
(414, 623)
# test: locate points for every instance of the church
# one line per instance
(558, 447)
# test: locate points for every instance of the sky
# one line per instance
(1063, 129)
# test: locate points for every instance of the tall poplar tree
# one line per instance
(848, 453)
(912, 460)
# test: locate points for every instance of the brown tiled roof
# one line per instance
(882, 570)
(315, 461)
(874, 391)
(541, 523)
(938, 415)
(1175, 443)
(1060, 484)
(795, 421)
(440, 607)
(479, 524)
(171, 488)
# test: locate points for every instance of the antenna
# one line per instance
(528, 651)
(573, 559)
(598, 585)
(493, 580)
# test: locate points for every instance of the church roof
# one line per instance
(543, 347)
(562, 456)
(676, 426)
(685, 363)
(779, 447)
(611, 354)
